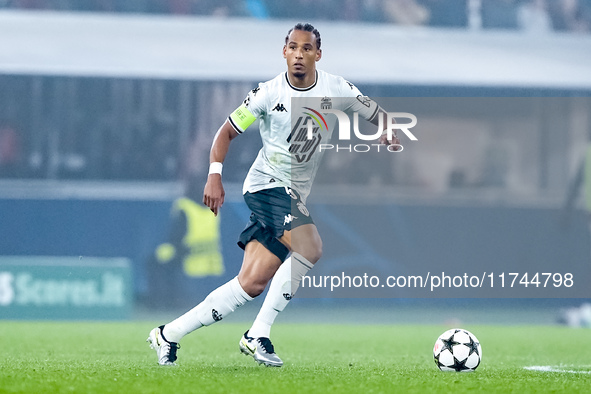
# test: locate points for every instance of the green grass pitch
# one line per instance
(88, 357)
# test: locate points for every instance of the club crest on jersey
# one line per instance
(325, 103)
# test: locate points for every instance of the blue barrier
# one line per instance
(391, 235)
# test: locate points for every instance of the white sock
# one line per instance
(299, 268)
(217, 305)
(284, 285)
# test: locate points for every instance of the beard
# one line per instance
(299, 74)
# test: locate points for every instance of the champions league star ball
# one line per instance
(457, 350)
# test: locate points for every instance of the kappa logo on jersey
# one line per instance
(216, 315)
(246, 101)
(287, 296)
(279, 108)
(301, 147)
(350, 85)
(255, 91)
(364, 100)
(288, 219)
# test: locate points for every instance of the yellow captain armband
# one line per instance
(241, 118)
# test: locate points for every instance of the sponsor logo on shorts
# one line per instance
(303, 208)
(291, 193)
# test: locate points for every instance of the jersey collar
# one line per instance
(302, 89)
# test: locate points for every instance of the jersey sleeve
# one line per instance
(252, 108)
(355, 101)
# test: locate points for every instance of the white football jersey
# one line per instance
(288, 156)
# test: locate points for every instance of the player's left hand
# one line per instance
(394, 141)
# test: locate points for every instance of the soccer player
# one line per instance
(280, 243)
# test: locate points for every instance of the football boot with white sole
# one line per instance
(165, 350)
(261, 349)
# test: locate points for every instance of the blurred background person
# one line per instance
(191, 250)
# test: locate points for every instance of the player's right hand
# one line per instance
(213, 194)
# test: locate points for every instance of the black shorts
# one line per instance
(274, 211)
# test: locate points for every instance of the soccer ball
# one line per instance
(457, 350)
